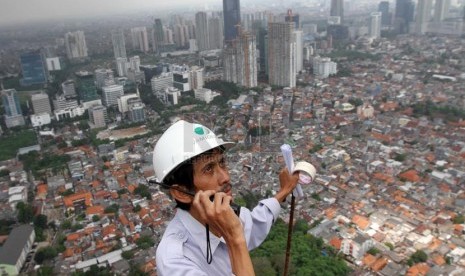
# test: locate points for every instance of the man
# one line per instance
(205, 236)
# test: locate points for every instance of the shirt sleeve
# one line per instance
(178, 267)
(258, 222)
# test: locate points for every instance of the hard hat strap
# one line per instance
(209, 248)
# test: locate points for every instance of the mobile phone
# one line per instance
(236, 208)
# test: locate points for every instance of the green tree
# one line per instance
(418, 257)
(459, 219)
(45, 253)
(25, 212)
(145, 242)
(373, 251)
(40, 221)
(95, 218)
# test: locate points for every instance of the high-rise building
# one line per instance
(232, 19)
(375, 25)
(290, 17)
(158, 35)
(86, 88)
(98, 116)
(299, 50)
(282, 66)
(441, 10)
(168, 36)
(104, 77)
(240, 60)
(337, 9)
(215, 28)
(13, 113)
(324, 67)
(119, 44)
(181, 76)
(383, 8)
(122, 66)
(203, 94)
(76, 47)
(423, 16)
(123, 106)
(403, 15)
(136, 112)
(201, 27)
(69, 89)
(161, 82)
(134, 63)
(140, 40)
(111, 93)
(41, 103)
(181, 35)
(33, 68)
(196, 77)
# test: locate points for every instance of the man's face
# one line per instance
(211, 172)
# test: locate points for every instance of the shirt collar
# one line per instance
(197, 232)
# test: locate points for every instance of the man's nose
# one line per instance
(223, 176)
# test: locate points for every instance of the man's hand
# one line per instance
(287, 183)
(218, 214)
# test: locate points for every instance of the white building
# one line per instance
(204, 94)
(17, 194)
(97, 116)
(123, 106)
(69, 112)
(181, 75)
(134, 63)
(104, 77)
(323, 67)
(122, 66)
(171, 95)
(196, 77)
(357, 246)
(53, 64)
(110, 94)
(161, 82)
(75, 43)
(299, 44)
(41, 103)
(375, 25)
(282, 54)
(119, 44)
(40, 119)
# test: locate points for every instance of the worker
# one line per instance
(206, 237)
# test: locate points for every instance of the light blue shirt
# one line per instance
(182, 250)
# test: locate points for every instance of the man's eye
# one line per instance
(223, 163)
(208, 169)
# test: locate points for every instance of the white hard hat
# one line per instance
(181, 142)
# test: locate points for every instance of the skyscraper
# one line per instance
(385, 14)
(441, 9)
(98, 116)
(423, 16)
(13, 113)
(375, 24)
(119, 45)
(158, 35)
(403, 15)
(232, 19)
(110, 94)
(282, 54)
(76, 47)
(140, 40)
(215, 27)
(240, 61)
(33, 68)
(290, 17)
(201, 27)
(337, 9)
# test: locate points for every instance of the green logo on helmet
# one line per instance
(201, 130)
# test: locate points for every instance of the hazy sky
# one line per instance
(12, 11)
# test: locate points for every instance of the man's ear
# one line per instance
(179, 195)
